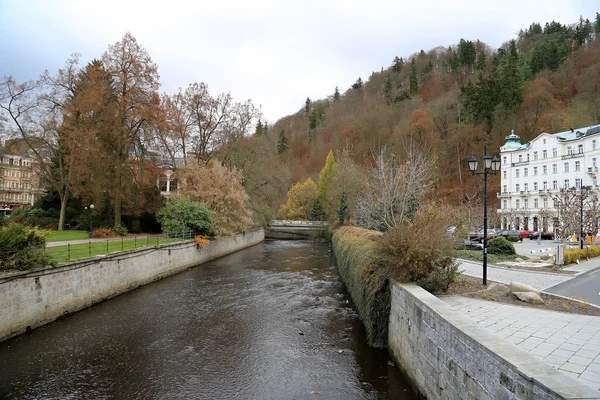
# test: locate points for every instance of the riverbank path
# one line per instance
(568, 342)
(104, 240)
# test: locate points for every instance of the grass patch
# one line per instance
(86, 250)
(59, 236)
(477, 255)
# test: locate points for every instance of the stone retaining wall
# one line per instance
(447, 356)
(34, 298)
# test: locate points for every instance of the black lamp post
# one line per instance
(91, 218)
(490, 166)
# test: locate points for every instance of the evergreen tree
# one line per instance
(597, 24)
(336, 94)
(265, 128)
(343, 210)
(480, 63)
(259, 128)
(454, 62)
(414, 82)
(282, 146)
(388, 89)
(398, 64)
(307, 106)
(466, 53)
(358, 84)
(428, 68)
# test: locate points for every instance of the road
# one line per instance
(584, 287)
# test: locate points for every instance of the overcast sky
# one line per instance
(276, 53)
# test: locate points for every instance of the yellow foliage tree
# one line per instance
(220, 189)
(325, 176)
(300, 200)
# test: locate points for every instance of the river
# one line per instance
(270, 322)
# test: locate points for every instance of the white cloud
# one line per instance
(276, 53)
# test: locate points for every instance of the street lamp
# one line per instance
(490, 166)
(91, 218)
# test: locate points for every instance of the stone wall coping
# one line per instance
(528, 365)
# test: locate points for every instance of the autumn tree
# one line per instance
(220, 189)
(300, 201)
(538, 107)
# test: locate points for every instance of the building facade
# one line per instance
(19, 182)
(532, 174)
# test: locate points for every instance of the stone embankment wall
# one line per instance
(447, 356)
(34, 298)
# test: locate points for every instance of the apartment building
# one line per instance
(19, 182)
(531, 173)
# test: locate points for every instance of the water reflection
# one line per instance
(269, 322)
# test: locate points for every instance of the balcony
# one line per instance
(572, 155)
(592, 170)
(503, 194)
(516, 164)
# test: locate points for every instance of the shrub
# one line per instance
(440, 279)
(23, 248)
(104, 233)
(202, 240)
(415, 250)
(513, 238)
(180, 215)
(33, 217)
(120, 229)
(501, 246)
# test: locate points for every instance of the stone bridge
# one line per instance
(288, 229)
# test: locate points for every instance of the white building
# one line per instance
(533, 172)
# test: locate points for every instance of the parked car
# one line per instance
(506, 234)
(491, 233)
(545, 235)
(524, 233)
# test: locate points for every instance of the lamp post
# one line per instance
(91, 219)
(490, 166)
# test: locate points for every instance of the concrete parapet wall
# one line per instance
(34, 298)
(447, 356)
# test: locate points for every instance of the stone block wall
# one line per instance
(34, 298)
(447, 356)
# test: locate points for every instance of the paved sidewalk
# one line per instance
(568, 342)
(537, 279)
(103, 240)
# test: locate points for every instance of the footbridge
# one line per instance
(288, 229)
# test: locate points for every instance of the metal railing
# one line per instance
(97, 247)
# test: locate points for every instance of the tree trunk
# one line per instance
(63, 210)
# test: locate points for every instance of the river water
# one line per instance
(270, 322)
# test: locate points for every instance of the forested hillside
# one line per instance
(447, 101)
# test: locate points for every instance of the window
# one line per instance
(570, 150)
(555, 185)
(525, 203)
(544, 152)
(593, 145)
(554, 152)
(594, 162)
(534, 171)
(577, 165)
(516, 173)
(504, 174)
(580, 149)
(545, 169)
(517, 187)
(545, 185)
(566, 167)
(554, 168)
(504, 160)
(520, 158)
(544, 143)
(595, 181)
(525, 186)
(535, 203)
(505, 204)
(535, 186)
(545, 202)
(527, 156)
(504, 188)
(567, 184)
(535, 155)
(517, 203)
(578, 183)
(525, 172)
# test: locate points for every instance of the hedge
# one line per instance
(572, 255)
(365, 278)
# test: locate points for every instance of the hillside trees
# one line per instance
(300, 201)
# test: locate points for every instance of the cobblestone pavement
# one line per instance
(568, 342)
(539, 280)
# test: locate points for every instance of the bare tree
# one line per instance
(394, 188)
(568, 203)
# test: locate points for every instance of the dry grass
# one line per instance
(360, 232)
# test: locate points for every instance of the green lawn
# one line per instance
(59, 236)
(86, 250)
